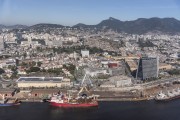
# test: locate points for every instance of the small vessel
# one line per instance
(6, 102)
(170, 95)
(81, 100)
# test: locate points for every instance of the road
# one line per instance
(161, 81)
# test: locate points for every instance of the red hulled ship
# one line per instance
(82, 99)
(67, 100)
(74, 104)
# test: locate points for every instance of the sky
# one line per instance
(71, 12)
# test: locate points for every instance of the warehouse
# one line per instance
(43, 82)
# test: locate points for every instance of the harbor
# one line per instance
(37, 95)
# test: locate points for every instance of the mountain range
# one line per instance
(139, 26)
(13, 27)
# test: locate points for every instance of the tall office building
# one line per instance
(148, 68)
(1, 43)
(85, 53)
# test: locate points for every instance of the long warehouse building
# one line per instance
(43, 82)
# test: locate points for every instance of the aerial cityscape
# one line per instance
(59, 58)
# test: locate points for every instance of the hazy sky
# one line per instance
(71, 12)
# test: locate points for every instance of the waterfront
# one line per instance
(144, 110)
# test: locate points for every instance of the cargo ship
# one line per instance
(169, 95)
(81, 99)
(67, 100)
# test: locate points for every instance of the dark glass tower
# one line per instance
(148, 68)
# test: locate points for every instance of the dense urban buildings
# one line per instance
(42, 59)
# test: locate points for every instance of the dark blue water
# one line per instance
(147, 110)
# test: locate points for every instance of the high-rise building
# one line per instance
(29, 41)
(85, 53)
(148, 68)
(1, 43)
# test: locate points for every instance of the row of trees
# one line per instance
(31, 64)
(77, 49)
(145, 43)
(174, 72)
(57, 71)
(1, 71)
(14, 72)
(70, 67)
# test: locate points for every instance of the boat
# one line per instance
(169, 95)
(6, 102)
(74, 104)
(68, 100)
(82, 99)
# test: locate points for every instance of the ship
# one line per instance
(81, 99)
(169, 95)
(68, 100)
(6, 102)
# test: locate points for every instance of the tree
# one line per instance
(56, 71)
(33, 63)
(25, 55)
(34, 69)
(2, 71)
(39, 64)
(70, 67)
(24, 64)
(13, 68)
(174, 72)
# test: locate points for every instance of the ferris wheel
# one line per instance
(86, 81)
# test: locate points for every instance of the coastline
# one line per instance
(125, 99)
(110, 99)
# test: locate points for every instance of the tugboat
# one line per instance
(82, 99)
(170, 95)
(5, 102)
(9, 104)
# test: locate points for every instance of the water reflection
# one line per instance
(144, 110)
(78, 113)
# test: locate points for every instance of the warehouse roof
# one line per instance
(40, 79)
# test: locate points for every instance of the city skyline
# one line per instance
(68, 12)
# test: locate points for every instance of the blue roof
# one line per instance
(40, 79)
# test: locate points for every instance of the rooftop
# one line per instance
(40, 79)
